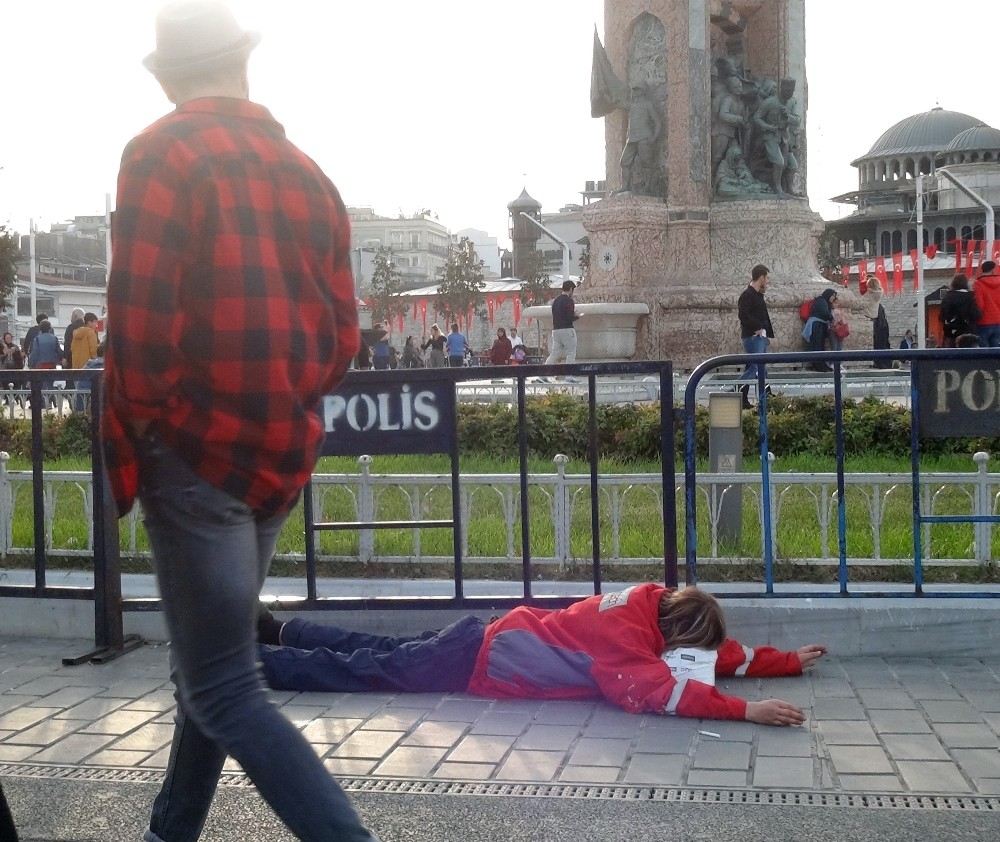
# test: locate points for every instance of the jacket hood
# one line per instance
(991, 281)
(81, 331)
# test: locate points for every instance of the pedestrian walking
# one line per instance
(436, 345)
(959, 312)
(211, 415)
(880, 322)
(817, 328)
(562, 347)
(756, 330)
(502, 349)
(457, 346)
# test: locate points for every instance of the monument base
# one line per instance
(605, 332)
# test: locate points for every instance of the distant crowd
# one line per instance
(437, 350)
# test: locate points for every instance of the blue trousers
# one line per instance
(211, 554)
(753, 345)
(328, 658)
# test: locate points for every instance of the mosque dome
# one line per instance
(977, 139)
(928, 132)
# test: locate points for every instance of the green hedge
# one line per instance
(558, 424)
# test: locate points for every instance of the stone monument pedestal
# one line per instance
(606, 332)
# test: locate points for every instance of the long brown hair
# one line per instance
(691, 617)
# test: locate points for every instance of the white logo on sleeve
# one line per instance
(689, 664)
(614, 600)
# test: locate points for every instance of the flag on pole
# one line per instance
(863, 276)
(845, 274)
(970, 258)
(915, 257)
(880, 274)
(957, 243)
(897, 272)
(517, 311)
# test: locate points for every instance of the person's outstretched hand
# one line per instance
(809, 655)
(774, 712)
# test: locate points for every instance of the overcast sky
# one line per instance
(451, 105)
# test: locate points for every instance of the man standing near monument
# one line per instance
(756, 330)
(211, 413)
(564, 316)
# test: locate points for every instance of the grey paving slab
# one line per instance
(134, 688)
(45, 685)
(899, 722)
(120, 722)
(871, 783)
(836, 708)
(331, 731)
(829, 688)
(14, 754)
(914, 747)
(988, 786)
(45, 733)
(483, 748)
(465, 771)
(661, 741)
(349, 765)
(502, 723)
(933, 692)
(600, 752)
(957, 735)
(846, 732)
(658, 769)
(590, 774)
(777, 772)
(157, 760)
(733, 732)
(21, 718)
(923, 776)
(358, 706)
(948, 711)
(159, 701)
(722, 755)
(883, 699)
(410, 761)
(978, 762)
(373, 744)
(92, 709)
(436, 734)
(982, 700)
(148, 738)
(8, 703)
(113, 757)
(301, 716)
(785, 742)
(73, 749)
(717, 777)
(399, 719)
(859, 760)
(67, 697)
(564, 713)
(459, 710)
(530, 766)
(548, 737)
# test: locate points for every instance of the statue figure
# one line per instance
(641, 167)
(777, 125)
(638, 161)
(729, 123)
(733, 179)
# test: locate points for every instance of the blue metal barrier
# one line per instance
(916, 358)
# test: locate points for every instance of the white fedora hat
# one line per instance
(193, 36)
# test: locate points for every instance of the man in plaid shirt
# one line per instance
(233, 308)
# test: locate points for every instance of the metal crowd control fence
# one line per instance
(414, 411)
(953, 393)
(109, 638)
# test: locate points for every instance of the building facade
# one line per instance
(419, 245)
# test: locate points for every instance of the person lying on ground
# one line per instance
(646, 649)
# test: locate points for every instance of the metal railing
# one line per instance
(921, 518)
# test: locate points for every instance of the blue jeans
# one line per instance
(328, 658)
(753, 345)
(211, 555)
(989, 336)
(456, 361)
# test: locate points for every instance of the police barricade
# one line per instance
(954, 393)
(414, 411)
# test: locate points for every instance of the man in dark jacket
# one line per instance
(756, 330)
(33, 331)
(959, 313)
(564, 316)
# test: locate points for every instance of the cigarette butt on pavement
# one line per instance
(710, 734)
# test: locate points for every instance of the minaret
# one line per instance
(523, 233)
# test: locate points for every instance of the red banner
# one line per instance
(423, 314)
(401, 323)
(489, 309)
(414, 311)
(845, 274)
(931, 251)
(517, 311)
(915, 258)
(880, 274)
(897, 271)
(970, 258)
(958, 254)
(863, 276)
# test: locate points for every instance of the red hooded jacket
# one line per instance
(610, 646)
(987, 292)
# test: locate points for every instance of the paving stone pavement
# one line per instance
(874, 725)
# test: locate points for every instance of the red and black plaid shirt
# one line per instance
(231, 302)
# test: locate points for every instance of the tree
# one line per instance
(462, 283)
(828, 256)
(536, 286)
(385, 293)
(10, 250)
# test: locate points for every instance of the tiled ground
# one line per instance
(874, 725)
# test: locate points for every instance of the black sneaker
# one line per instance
(268, 628)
